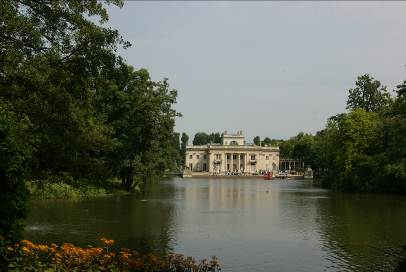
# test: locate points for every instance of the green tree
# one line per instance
(201, 138)
(393, 140)
(347, 152)
(91, 115)
(401, 89)
(184, 142)
(303, 148)
(15, 157)
(358, 134)
(257, 140)
(177, 147)
(215, 137)
(325, 148)
(54, 59)
(143, 120)
(266, 142)
(286, 149)
(399, 105)
(368, 95)
(365, 150)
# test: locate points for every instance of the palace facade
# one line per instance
(232, 156)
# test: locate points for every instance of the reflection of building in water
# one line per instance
(232, 156)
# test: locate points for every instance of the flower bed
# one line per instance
(27, 256)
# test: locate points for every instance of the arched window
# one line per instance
(233, 143)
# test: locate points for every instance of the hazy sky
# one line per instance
(267, 68)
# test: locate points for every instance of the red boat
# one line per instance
(268, 176)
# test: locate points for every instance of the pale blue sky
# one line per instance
(267, 68)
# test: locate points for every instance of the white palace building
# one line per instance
(233, 156)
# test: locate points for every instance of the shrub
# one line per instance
(27, 256)
(15, 155)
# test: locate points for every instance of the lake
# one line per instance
(249, 224)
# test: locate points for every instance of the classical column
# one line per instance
(208, 162)
(225, 162)
(245, 162)
(238, 163)
(249, 162)
(232, 162)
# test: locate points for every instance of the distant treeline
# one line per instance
(363, 149)
(71, 108)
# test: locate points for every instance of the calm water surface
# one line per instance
(250, 224)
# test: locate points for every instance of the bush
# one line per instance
(15, 155)
(41, 190)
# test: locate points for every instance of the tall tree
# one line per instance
(215, 137)
(401, 89)
(90, 115)
(176, 144)
(143, 120)
(201, 138)
(184, 142)
(54, 57)
(266, 142)
(257, 140)
(399, 107)
(15, 156)
(368, 95)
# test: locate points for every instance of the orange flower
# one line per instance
(26, 250)
(107, 242)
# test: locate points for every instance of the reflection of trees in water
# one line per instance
(144, 226)
(363, 232)
(149, 225)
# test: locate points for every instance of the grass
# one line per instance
(41, 190)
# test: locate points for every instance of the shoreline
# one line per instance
(61, 191)
(211, 176)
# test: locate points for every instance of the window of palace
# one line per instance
(266, 157)
(190, 156)
(197, 156)
(253, 157)
(218, 156)
(228, 157)
(233, 143)
(234, 157)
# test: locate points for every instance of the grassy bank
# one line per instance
(41, 190)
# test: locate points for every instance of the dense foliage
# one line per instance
(15, 154)
(202, 138)
(257, 140)
(71, 108)
(184, 141)
(364, 149)
(27, 256)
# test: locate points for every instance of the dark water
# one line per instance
(251, 225)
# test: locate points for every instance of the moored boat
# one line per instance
(282, 175)
(268, 176)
